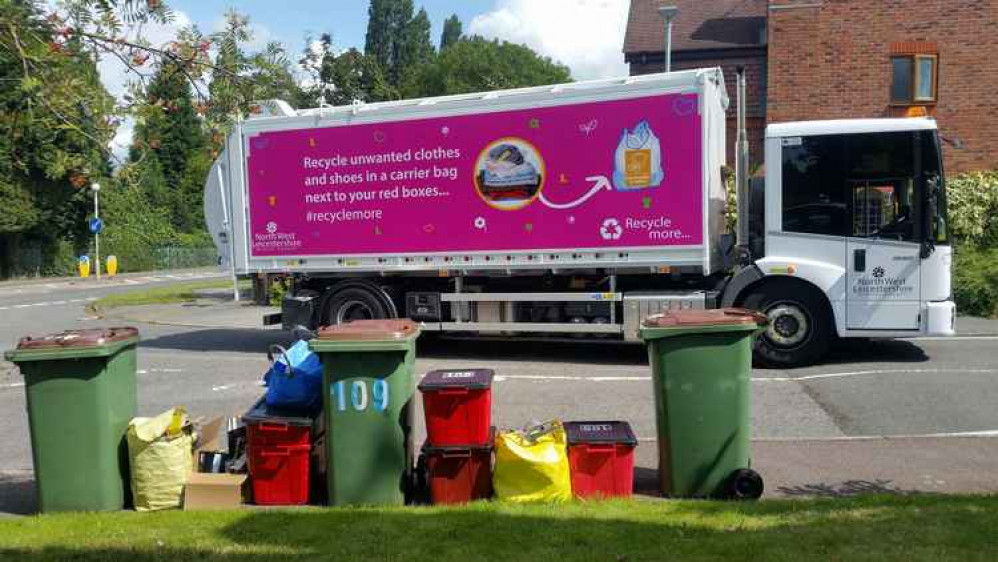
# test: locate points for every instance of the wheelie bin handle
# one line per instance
(274, 427)
(453, 391)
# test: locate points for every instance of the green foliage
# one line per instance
(973, 208)
(451, 33)
(355, 76)
(133, 227)
(975, 281)
(398, 40)
(55, 123)
(476, 64)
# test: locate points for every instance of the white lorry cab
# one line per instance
(582, 208)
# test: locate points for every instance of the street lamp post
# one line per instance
(95, 188)
(668, 14)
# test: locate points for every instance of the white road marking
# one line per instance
(500, 378)
(158, 370)
(874, 372)
(981, 433)
(12, 385)
(47, 303)
(954, 338)
(222, 387)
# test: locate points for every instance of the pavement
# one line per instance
(899, 416)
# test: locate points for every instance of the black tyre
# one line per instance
(800, 328)
(744, 484)
(356, 303)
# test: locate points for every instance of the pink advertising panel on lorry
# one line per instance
(608, 174)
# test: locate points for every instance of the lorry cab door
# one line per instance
(883, 248)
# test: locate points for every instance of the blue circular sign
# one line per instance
(96, 225)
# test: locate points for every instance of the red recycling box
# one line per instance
(279, 444)
(458, 407)
(601, 458)
(459, 474)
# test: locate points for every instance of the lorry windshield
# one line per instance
(885, 185)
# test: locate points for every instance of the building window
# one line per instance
(913, 79)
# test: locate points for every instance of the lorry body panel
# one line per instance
(612, 173)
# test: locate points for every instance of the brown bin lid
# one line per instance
(91, 337)
(370, 330)
(712, 317)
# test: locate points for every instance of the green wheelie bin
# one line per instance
(701, 364)
(80, 387)
(368, 387)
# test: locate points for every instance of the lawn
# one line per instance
(177, 293)
(920, 527)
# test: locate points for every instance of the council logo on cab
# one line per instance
(271, 227)
(610, 229)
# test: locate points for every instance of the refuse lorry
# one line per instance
(81, 394)
(581, 209)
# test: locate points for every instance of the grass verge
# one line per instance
(908, 528)
(178, 293)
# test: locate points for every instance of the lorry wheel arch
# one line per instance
(355, 299)
(802, 324)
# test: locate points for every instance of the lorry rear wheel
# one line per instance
(800, 327)
(355, 303)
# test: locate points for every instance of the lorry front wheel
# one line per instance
(355, 303)
(800, 327)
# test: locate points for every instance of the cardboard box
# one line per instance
(213, 491)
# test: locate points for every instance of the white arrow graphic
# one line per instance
(600, 183)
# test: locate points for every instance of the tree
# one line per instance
(451, 33)
(55, 123)
(169, 132)
(416, 47)
(476, 64)
(352, 75)
(396, 39)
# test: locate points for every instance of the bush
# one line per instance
(975, 281)
(973, 208)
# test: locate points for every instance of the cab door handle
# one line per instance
(859, 260)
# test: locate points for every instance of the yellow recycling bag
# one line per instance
(532, 466)
(160, 455)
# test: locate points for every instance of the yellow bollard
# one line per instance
(84, 266)
(111, 265)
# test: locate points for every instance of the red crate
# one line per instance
(459, 474)
(458, 407)
(279, 474)
(278, 447)
(601, 458)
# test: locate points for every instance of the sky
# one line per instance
(585, 35)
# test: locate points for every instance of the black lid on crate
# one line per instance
(457, 378)
(482, 447)
(262, 413)
(600, 432)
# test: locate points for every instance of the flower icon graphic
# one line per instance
(271, 227)
(878, 272)
(610, 229)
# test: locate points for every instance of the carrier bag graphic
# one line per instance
(638, 160)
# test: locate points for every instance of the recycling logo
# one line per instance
(271, 227)
(878, 272)
(610, 230)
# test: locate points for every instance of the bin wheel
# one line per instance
(744, 484)
(419, 486)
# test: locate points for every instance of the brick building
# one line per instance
(725, 33)
(824, 59)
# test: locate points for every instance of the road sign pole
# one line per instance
(96, 189)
